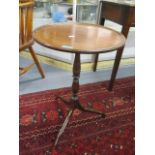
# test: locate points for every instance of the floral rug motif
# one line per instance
(41, 117)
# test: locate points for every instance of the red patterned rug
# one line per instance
(41, 117)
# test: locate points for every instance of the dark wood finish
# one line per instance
(97, 55)
(76, 76)
(25, 33)
(95, 62)
(118, 57)
(120, 13)
(74, 103)
(78, 38)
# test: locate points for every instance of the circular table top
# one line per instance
(79, 38)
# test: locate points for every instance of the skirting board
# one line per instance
(84, 66)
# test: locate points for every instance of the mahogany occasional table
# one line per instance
(78, 39)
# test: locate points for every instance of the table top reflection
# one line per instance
(78, 38)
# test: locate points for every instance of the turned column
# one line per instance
(76, 76)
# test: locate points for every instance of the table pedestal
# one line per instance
(74, 102)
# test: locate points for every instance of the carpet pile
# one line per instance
(41, 117)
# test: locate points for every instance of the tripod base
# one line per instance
(74, 104)
(78, 105)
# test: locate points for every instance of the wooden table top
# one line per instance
(79, 38)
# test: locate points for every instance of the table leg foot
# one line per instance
(86, 109)
(62, 99)
(62, 129)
